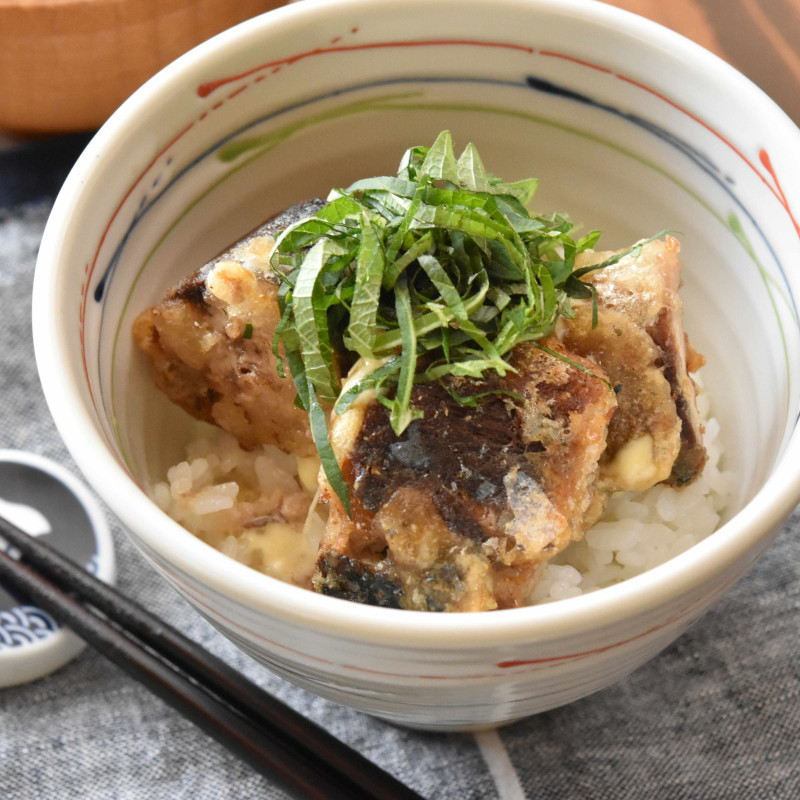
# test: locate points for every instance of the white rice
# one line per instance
(255, 506)
(259, 507)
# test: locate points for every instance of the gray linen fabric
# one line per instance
(716, 716)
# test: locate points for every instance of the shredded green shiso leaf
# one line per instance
(439, 271)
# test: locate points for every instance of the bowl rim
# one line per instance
(749, 528)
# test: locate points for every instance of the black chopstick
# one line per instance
(273, 738)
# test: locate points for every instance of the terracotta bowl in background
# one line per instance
(65, 65)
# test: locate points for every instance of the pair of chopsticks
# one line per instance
(273, 738)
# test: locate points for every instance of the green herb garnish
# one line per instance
(439, 271)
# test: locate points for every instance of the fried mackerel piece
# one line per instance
(210, 344)
(461, 511)
(656, 434)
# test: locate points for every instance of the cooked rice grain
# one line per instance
(257, 506)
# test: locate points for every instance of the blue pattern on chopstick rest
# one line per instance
(24, 625)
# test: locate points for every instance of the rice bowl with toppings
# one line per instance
(478, 385)
(628, 126)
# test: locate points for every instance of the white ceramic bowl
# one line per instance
(629, 127)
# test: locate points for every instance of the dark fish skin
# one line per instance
(459, 512)
(357, 583)
(271, 228)
(692, 456)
